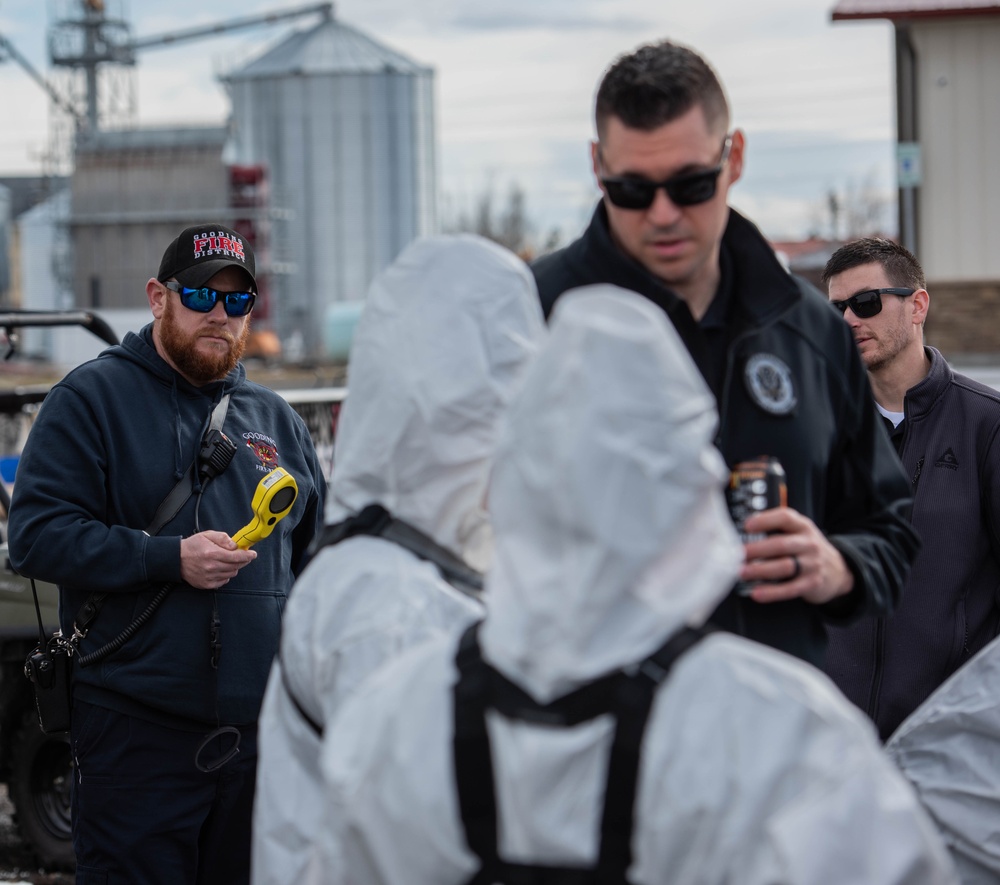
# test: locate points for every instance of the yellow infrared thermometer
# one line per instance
(273, 499)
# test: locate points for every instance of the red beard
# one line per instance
(199, 368)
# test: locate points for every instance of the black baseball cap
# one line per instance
(200, 252)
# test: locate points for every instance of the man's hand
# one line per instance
(795, 561)
(210, 559)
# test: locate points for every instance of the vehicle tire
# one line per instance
(40, 786)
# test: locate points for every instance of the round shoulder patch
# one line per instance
(769, 381)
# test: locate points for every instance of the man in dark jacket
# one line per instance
(160, 793)
(946, 428)
(786, 378)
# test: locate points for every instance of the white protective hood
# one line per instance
(441, 363)
(608, 513)
(444, 339)
(949, 748)
(607, 499)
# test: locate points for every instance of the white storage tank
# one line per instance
(345, 128)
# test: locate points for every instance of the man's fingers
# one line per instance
(781, 578)
(776, 592)
(784, 568)
(220, 539)
(794, 559)
(775, 547)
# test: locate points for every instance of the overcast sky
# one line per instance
(515, 82)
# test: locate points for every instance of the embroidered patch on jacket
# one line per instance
(769, 381)
(948, 460)
(264, 448)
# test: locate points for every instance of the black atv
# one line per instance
(37, 768)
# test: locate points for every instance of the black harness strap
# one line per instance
(632, 702)
(376, 521)
(371, 520)
(473, 760)
(626, 696)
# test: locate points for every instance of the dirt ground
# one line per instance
(16, 863)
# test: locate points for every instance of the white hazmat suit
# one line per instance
(611, 534)
(949, 748)
(443, 341)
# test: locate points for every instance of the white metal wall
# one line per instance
(129, 202)
(958, 65)
(351, 156)
(6, 276)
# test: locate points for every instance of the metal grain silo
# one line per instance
(345, 128)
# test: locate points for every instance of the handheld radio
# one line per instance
(273, 499)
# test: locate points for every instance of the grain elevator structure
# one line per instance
(344, 127)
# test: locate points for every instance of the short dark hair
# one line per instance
(657, 83)
(900, 265)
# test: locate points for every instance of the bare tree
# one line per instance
(864, 207)
(853, 211)
(509, 225)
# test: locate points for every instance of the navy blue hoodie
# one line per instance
(110, 441)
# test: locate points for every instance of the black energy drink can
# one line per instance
(754, 486)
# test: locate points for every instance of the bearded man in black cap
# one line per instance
(141, 466)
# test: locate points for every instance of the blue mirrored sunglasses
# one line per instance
(235, 304)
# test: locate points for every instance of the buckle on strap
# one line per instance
(85, 617)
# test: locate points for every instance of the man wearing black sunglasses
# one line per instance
(946, 429)
(140, 468)
(787, 379)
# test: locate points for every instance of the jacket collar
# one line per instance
(762, 288)
(921, 398)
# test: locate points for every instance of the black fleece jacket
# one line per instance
(949, 442)
(792, 386)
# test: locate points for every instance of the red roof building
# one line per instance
(911, 9)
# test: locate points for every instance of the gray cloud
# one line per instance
(487, 20)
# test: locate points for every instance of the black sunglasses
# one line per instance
(868, 303)
(235, 304)
(689, 189)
